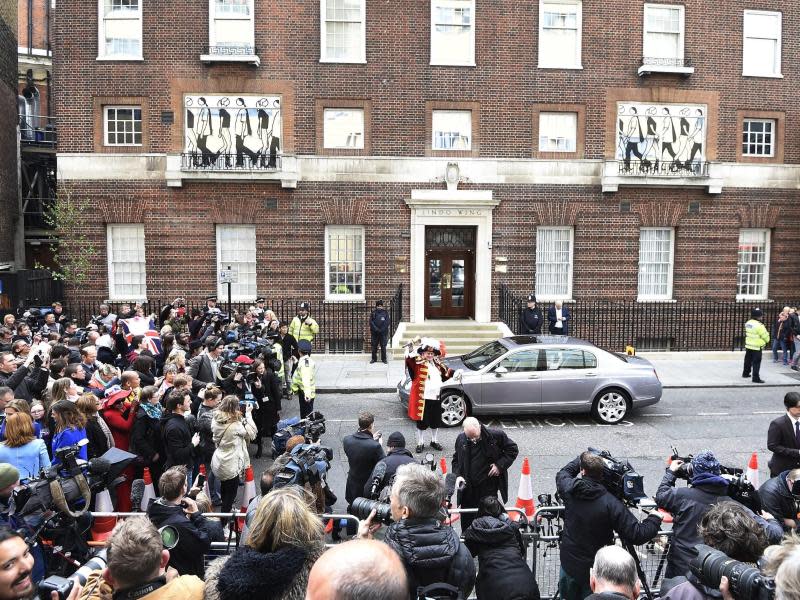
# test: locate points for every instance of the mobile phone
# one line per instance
(201, 480)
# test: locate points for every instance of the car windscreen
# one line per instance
(477, 359)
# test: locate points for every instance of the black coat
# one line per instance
(504, 572)
(193, 541)
(552, 319)
(379, 321)
(176, 439)
(783, 445)
(777, 499)
(146, 438)
(98, 442)
(289, 345)
(591, 517)
(431, 553)
(27, 383)
(499, 449)
(394, 459)
(363, 453)
(530, 321)
(269, 403)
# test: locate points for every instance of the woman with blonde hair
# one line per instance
(22, 448)
(64, 389)
(232, 434)
(285, 539)
(97, 431)
(18, 405)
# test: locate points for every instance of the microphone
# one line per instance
(380, 473)
(137, 493)
(449, 485)
(99, 466)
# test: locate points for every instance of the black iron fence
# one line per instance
(246, 160)
(396, 310)
(681, 325)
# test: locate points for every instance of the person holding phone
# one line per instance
(232, 433)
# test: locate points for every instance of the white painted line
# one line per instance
(768, 412)
(656, 414)
(713, 414)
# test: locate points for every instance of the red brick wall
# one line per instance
(38, 19)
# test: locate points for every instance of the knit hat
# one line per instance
(9, 475)
(705, 462)
(396, 440)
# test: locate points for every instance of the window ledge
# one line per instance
(120, 58)
(126, 300)
(343, 62)
(344, 301)
(539, 300)
(765, 75)
(648, 69)
(751, 299)
(561, 68)
(446, 64)
(657, 300)
(250, 59)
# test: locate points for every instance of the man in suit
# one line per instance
(558, 316)
(783, 438)
(205, 368)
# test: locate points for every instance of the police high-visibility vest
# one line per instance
(301, 331)
(304, 378)
(756, 335)
(278, 350)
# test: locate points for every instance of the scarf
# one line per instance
(708, 478)
(153, 410)
(106, 431)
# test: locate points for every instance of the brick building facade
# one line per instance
(335, 149)
(8, 130)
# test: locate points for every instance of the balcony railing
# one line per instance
(658, 64)
(238, 53)
(37, 130)
(649, 172)
(657, 168)
(196, 161)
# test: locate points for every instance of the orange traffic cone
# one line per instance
(525, 492)
(443, 465)
(149, 490)
(752, 470)
(102, 526)
(204, 473)
(249, 492)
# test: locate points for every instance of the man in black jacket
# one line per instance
(178, 510)
(778, 499)
(481, 462)
(176, 436)
(28, 380)
(363, 452)
(530, 321)
(591, 517)
(396, 456)
(431, 552)
(783, 438)
(379, 322)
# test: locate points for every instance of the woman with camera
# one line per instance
(232, 433)
(266, 389)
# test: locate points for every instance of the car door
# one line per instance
(513, 382)
(569, 381)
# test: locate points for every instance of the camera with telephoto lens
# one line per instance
(622, 480)
(63, 585)
(745, 582)
(308, 464)
(362, 507)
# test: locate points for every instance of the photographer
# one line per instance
(591, 516)
(232, 434)
(730, 528)
(16, 581)
(779, 497)
(613, 575)
(175, 508)
(30, 379)
(396, 455)
(205, 367)
(689, 504)
(363, 450)
(431, 552)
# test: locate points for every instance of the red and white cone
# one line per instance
(752, 470)
(249, 492)
(525, 493)
(102, 526)
(443, 465)
(204, 473)
(149, 490)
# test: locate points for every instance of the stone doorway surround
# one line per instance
(452, 208)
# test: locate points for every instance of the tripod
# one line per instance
(642, 577)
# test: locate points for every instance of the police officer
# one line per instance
(530, 321)
(211, 302)
(303, 380)
(303, 327)
(379, 331)
(756, 337)
(258, 311)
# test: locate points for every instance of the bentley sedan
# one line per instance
(528, 374)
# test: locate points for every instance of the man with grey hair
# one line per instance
(613, 575)
(431, 552)
(373, 571)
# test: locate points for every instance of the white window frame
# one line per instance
(105, 124)
(642, 297)
(574, 139)
(767, 235)
(222, 289)
(251, 20)
(436, 111)
(745, 145)
(101, 35)
(542, 51)
(681, 34)
(362, 54)
(777, 69)
(334, 297)
(112, 285)
(468, 61)
(544, 295)
(360, 135)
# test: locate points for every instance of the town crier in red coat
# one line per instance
(428, 372)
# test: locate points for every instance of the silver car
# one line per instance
(544, 374)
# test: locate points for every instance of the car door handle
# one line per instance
(590, 374)
(533, 377)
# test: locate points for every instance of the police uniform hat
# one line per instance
(531, 298)
(756, 313)
(260, 299)
(304, 306)
(211, 297)
(379, 303)
(304, 346)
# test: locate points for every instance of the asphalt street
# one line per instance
(731, 422)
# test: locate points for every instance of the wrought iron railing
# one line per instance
(396, 310)
(658, 61)
(37, 130)
(662, 168)
(681, 325)
(241, 161)
(222, 51)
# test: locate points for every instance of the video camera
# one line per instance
(308, 464)
(621, 479)
(34, 317)
(739, 488)
(746, 582)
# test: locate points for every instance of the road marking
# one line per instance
(554, 422)
(713, 414)
(768, 412)
(656, 414)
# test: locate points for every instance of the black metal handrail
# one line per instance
(662, 168)
(396, 310)
(244, 161)
(37, 130)
(658, 61)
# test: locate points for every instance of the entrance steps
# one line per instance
(459, 337)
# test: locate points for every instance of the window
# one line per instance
(655, 263)
(122, 126)
(520, 362)
(343, 31)
(753, 265)
(758, 137)
(236, 248)
(663, 34)
(120, 35)
(761, 49)
(231, 26)
(553, 263)
(452, 32)
(126, 263)
(343, 128)
(559, 34)
(344, 263)
(452, 129)
(566, 358)
(558, 132)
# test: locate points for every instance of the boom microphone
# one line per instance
(137, 493)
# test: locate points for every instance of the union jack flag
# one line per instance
(141, 326)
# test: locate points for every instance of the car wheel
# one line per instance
(610, 406)
(454, 409)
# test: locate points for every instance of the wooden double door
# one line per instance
(449, 283)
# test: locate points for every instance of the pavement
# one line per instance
(353, 373)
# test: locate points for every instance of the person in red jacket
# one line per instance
(119, 413)
(428, 372)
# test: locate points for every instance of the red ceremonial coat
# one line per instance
(418, 368)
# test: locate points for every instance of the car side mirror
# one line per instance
(500, 371)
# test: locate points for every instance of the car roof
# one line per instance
(562, 340)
